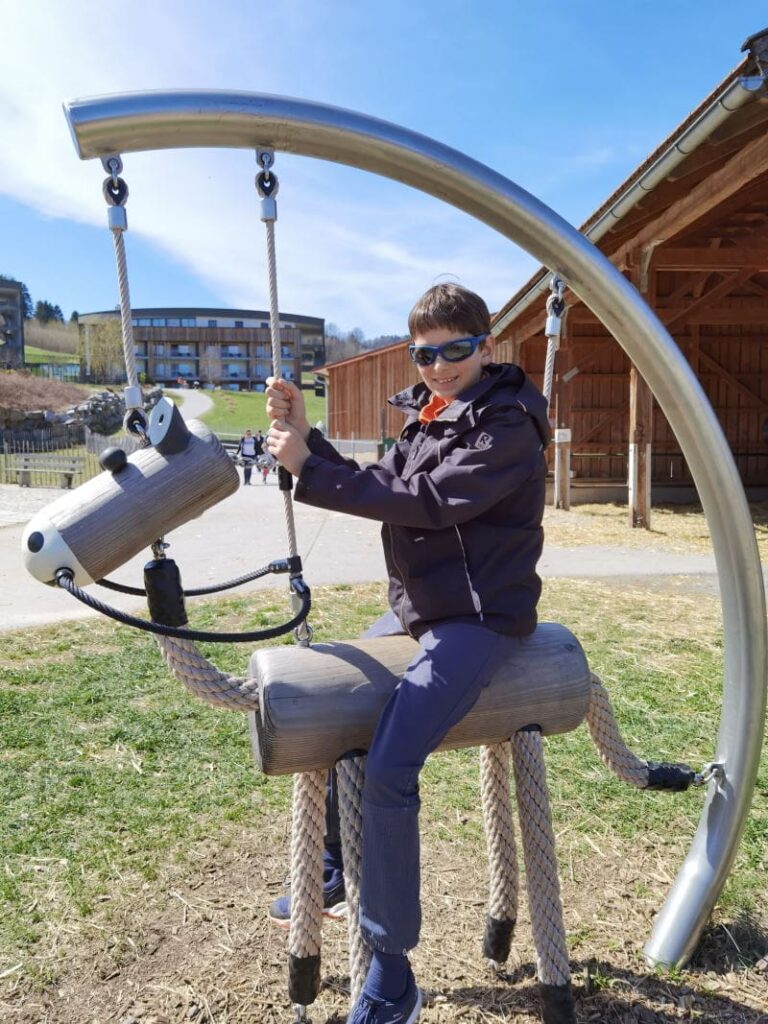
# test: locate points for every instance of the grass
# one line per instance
(42, 355)
(234, 411)
(110, 772)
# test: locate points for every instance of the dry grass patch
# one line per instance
(681, 529)
(20, 390)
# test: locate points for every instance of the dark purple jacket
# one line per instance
(461, 501)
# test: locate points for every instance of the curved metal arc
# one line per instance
(243, 120)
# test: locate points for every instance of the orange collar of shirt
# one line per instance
(434, 406)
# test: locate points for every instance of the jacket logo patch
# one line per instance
(483, 442)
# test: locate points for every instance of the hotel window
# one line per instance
(238, 323)
(213, 323)
(173, 321)
(158, 321)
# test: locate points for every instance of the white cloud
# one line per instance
(357, 253)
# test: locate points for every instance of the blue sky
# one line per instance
(564, 98)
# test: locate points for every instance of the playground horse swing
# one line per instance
(337, 690)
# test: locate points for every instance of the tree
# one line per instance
(102, 348)
(75, 317)
(45, 312)
(26, 298)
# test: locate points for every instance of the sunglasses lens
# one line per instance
(423, 355)
(455, 351)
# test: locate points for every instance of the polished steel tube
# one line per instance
(173, 120)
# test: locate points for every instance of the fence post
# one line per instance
(562, 489)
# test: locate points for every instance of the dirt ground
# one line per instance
(197, 948)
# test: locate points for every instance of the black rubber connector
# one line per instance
(557, 1004)
(165, 595)
(303, 979)
(497, 940)
(284, 479)
(675, 777)
(113, 459)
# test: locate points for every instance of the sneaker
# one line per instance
(334, 906)
(405, 1010)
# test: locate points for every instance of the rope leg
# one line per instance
(308, 828)
(538, 840)
(502, 852)
(351, 774)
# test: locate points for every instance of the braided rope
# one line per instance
(126, 317)
(607, 738)
(277, 361)
(538, 841)
(194, 671)
(549, 368)
(307, 832)
(499, 832)
(351, 774)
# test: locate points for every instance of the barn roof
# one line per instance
(732, 119)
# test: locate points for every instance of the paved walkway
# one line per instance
(248, 530)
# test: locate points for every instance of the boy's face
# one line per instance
(449, 379)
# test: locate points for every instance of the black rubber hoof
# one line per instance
(497, 940)
(557, 1006)
(303, 979)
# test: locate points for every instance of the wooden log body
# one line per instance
(318, 704)
(109, 519)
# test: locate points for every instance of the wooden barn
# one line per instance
(690, 229)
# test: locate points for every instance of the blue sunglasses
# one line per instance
(450, 351)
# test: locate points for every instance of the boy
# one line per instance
(461, 499)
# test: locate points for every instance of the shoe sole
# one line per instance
(337, 913)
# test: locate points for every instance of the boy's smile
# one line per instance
(448, 379)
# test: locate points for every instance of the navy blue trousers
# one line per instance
(454, 663)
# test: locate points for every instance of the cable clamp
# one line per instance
(713, 770)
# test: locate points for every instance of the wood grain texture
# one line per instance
(319, 703)
(110, 518)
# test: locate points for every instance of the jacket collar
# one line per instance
(414, 398)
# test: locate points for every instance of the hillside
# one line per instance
(20, 390)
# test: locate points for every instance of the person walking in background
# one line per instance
(248, 450)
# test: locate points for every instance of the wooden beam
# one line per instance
(742, 170)
(748, 393)
(732, 313)
(619, 411)
(706, 299)
(741, 312)
(679, 258)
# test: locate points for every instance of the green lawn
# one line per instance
(41, 355)
(235, 411)
(108, 768)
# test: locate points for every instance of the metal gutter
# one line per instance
(736, 95)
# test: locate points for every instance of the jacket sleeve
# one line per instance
(493, 460)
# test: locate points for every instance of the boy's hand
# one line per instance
(286, 402)
(287, 445)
